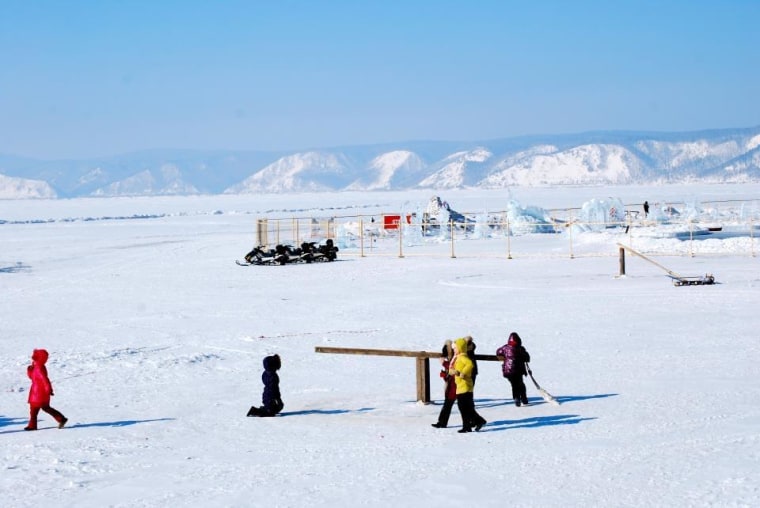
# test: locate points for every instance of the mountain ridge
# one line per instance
(592, 158)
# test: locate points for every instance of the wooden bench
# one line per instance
(422, 357)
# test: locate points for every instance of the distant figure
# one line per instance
(450, 386)
(514, 356)
(272, 403)
(41, 391)
(646, 208)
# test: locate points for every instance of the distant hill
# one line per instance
(591, 158)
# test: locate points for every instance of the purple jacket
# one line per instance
(515, 358)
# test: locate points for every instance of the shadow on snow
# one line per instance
(122, 423)
(534, 422)
(325, 411)
(535, 401)
(18, 267)
(4, 420)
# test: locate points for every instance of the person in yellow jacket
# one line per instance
(461, 369)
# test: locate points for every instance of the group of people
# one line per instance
(459, 370)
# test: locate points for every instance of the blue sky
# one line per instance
(92, 78)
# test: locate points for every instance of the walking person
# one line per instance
(471, 347)
(41, 391)
(271, 399)
(462, 371)
(450, 387)
(646, 208)
(515, 356)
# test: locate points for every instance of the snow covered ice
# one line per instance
(156, 339)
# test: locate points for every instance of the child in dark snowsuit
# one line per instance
(271, 396)
(450, 391)
(41, 391)
(515, 357)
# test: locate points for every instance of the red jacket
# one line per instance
(450, 393)
(41, 390)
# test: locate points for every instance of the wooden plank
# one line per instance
(391, 352)
(376, 352)
(422, 370)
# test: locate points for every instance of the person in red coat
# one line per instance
(41, 391)
(450, 391)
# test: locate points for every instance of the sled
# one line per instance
(678, 280)
(706, 280)
(548, 397)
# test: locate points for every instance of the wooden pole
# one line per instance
(622, 261)
(423, 380)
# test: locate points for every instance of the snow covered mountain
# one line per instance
(728, 155)
(20, 188)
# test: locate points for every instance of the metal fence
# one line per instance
(498, 237)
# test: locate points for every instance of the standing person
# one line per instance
(515, 356)
(272, 403)
(471, 354)
(646, 208)
(450, 390)
(462, 371)
(41, 391)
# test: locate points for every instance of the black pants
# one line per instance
(519, 394)
(470, 417)
(268, 410)
(443, 416)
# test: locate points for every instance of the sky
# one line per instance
(156, 339)
(91, 78)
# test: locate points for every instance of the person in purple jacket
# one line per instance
(515, 356)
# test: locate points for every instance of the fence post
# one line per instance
(691, 239)
(261, 233)
(751, 237)
(451, 233)
(400, 240)
(361, 237)
(570, 235)
(622, 261)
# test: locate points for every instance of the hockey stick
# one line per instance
(548, 397)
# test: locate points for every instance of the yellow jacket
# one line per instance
(462, 365)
